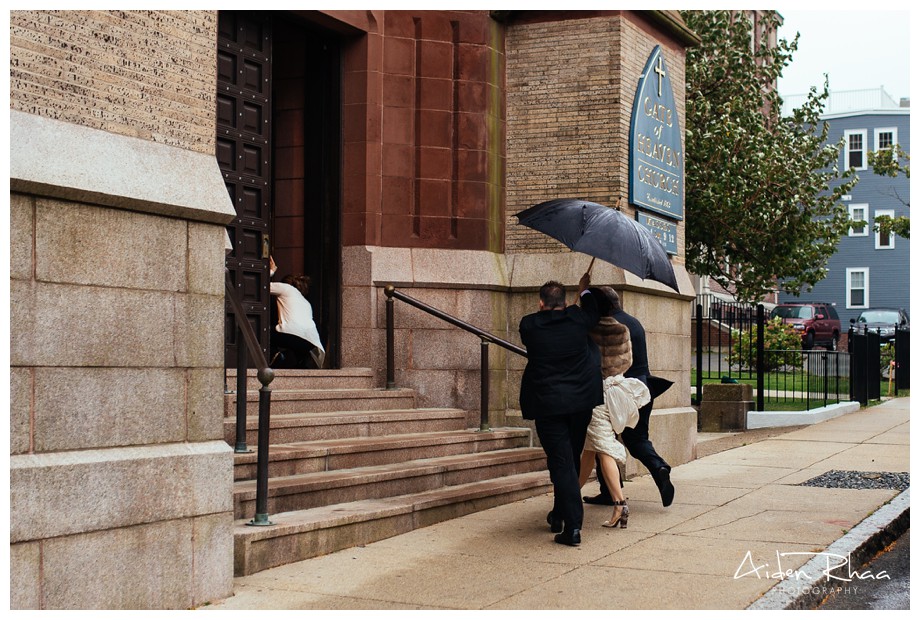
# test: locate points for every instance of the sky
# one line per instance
(858, 49)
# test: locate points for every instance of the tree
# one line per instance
(760, 208)
(887, 163)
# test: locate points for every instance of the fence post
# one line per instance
(760, 361)
(699, 353)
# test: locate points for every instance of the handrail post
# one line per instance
(391, 348)
(484, 385)
(241, 378)
(265, 400)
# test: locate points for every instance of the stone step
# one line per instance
(296, 379)
(298, 492)
(299, 535)
(297, 427)
(328, 455)
(325, 400)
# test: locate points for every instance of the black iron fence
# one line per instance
(728, 347)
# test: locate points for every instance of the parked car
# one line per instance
(882, 320)
(818, 323)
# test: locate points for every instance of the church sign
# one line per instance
(664, 231)
(656, 157)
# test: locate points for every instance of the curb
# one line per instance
(808, 586)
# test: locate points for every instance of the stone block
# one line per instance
(199, 331)
(459, 267)
(21, 236)
(212, 551)
(205, 405)
(25, 576)
(356, 265)
(360, 306)
(128, 486)
(721, 416)
(82, 244)
(206, 258)
(366, 348)
(391, 266)
(20, 410)
(67, 161)
(142, 567)
(68, 325)
(444, 349)
(725, 406)
(673, 433)
(79, 408)
(728, 392)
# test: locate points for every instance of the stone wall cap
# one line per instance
(63, 160)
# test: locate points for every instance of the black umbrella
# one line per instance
(604, 233)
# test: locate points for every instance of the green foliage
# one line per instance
(886, 357)
(782, 346)
(759, 206)
(888, 163)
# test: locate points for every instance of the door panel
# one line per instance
(243, 153)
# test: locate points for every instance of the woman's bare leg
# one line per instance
(612, 478)
(586, 467)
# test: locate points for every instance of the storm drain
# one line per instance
(839, 479)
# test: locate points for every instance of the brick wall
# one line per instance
(571, 86)
(145, 74)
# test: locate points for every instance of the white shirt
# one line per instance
(295, 316)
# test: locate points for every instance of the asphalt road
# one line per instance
(873, 591)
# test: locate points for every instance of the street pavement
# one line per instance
(743, 533)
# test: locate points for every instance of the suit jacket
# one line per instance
(562, 375)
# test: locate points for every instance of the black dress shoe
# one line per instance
(600, 500)
(555, 525)
(571, 538)
(663, 480)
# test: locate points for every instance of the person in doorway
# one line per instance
(622, 399)
(560, 386)
(295, 331)
(636, 439)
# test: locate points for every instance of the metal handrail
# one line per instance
(485, 339)
(247, 336)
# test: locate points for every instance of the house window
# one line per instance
(859, 215)
(884, 241)
(858, 287)
(885, 138)
(855, 145)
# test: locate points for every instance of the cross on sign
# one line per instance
(660, 71)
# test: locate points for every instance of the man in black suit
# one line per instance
(636, 439)
(560, 386)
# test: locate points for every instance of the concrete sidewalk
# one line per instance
(739, 520)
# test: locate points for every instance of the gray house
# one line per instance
(869, 270)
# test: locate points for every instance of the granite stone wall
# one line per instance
(120, 481)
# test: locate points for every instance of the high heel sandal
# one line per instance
(622, 519)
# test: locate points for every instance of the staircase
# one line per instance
(350, 464)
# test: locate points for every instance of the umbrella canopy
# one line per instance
(602, 232)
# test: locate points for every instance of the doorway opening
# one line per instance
(279, 148)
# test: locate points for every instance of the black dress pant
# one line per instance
(563, 438)
(295, 345)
